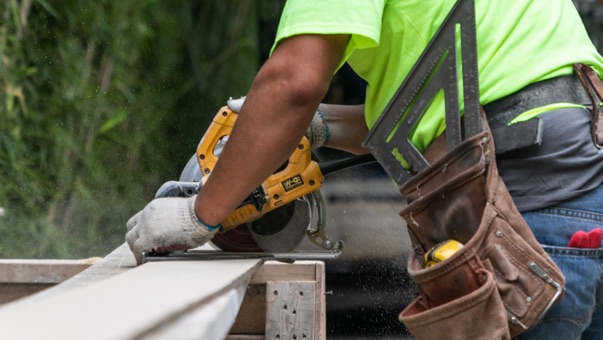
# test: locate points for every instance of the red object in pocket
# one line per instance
(582, 239)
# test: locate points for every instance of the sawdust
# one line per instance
(90, 260)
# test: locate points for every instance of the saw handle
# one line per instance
(299, 176)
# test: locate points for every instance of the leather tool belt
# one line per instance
(564, 89)
(594, 88)
(583, 87)
(502, 281)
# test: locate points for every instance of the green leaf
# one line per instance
(113, 122)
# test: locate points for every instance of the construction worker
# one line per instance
(556, 185)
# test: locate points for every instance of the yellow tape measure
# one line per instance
(441, 252)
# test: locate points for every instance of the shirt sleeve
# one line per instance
(359, 18)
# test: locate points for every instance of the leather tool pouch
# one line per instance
(593, 86)
(502, 281)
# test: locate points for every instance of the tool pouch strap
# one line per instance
(502, 281)
(594, 87)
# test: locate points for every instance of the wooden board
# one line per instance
(42, 271)
(118, 261)
(21, 278)
(262, 314)
(134, 302)
(290, 310)
(114, 299)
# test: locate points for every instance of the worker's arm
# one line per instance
(347, 127)
(278, 109)
(339, 127)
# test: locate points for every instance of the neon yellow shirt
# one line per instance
(518, 43)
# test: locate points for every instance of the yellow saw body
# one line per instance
(298, 177)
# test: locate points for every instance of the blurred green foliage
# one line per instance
(103, 101)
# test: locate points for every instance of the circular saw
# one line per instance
(276, 216)
(276, 231)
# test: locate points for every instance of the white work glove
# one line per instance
(317, 133)
(167, 224)
(235, 104)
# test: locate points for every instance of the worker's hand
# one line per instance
(167, 224)
(317, 133)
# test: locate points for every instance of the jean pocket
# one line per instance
(556, 251)
(582, 270)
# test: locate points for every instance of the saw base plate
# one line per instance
(208, 255)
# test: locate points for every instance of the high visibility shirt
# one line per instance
(519, 43)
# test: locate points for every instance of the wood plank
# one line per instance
(290, 308)
(118, 261)
(160, 300)
(252, 318)
(320, 323)
(280, 271)
(42, 271)
(133, 304)
(20, 278)
(207, 322)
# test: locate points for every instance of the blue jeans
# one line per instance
(579, 315)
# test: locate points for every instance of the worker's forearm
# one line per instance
(347, 127)
(256, 148)
(278, 109)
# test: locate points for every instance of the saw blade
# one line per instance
(236, 239)
(282, 229)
